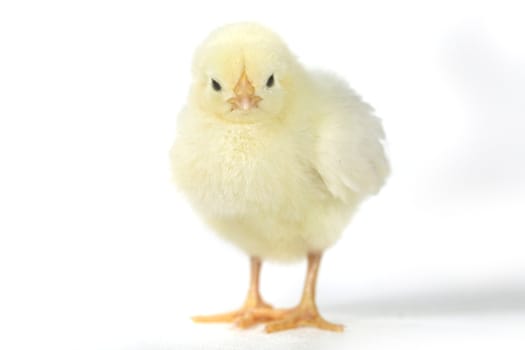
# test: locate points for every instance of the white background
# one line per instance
(99, 251)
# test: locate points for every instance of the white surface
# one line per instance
(98, 251)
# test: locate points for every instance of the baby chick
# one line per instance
(275, 158)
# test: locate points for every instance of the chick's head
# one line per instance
(244, 73)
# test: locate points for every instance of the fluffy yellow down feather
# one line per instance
(282, 179)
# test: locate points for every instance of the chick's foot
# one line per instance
(302, 316)
(245, 317)
(254, 310)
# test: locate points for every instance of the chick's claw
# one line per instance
(218, 318)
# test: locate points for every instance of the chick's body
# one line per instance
(275, 158)
(282, 188)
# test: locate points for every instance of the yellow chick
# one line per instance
(275, 158)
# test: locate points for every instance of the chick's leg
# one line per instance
(254, 310)
(306, 313)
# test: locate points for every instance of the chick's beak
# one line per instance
(245, 97)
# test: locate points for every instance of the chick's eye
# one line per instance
(216, 86)
(270, 81)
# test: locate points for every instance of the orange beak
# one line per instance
(245, 97)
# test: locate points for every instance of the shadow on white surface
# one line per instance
(446, 302)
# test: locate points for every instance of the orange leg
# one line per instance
(306, 313)
(254, 310)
